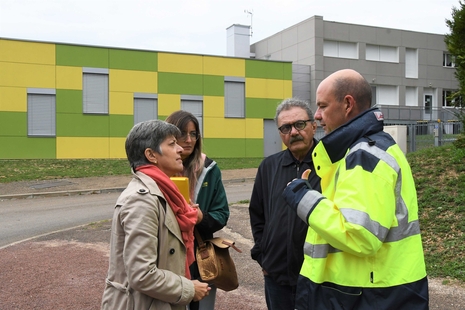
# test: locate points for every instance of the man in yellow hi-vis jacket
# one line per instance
(363, 248)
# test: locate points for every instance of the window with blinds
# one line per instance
(194, 105)
(145, 107)
(234, 97)
(411, 63)
(340, 49)
(41, 113)
(382, 53)
(95, 91)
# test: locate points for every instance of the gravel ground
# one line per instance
(66, 270)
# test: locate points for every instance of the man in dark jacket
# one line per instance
(278, 232)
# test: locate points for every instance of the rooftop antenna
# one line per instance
(251, 15)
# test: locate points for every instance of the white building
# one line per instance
(411, 72)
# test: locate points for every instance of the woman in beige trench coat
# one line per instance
(149, 246)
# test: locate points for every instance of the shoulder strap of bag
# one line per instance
(199, 238)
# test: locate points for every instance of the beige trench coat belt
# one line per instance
(127, 290)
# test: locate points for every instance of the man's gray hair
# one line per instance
(289, 103)
(148, 134)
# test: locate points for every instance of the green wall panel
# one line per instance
(261, 108)
(80, 125)
(13, 124)
(213, 85)
(27, 148)
(225, 148)
(120, 125)
(287, 74)
(179, 83)
(133, 60)
(268, 70)
(69, 101)
(81, 56)
(254, 148)
(233, 148)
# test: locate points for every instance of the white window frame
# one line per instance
(411, 96)
(340, 49)
(387, 95)
(411, 63)
(447, 103)
(234, 97)
(41, 112)
(448, 60)
(382, 53)
(95, 91)
(194, 104)
(145, 107)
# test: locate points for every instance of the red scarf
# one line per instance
(185, 214)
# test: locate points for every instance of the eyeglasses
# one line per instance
(299, 125)
(194, 135)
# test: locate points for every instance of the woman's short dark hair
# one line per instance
(148, 134)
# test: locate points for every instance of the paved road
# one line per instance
(25, 218)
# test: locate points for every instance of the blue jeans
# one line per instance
(279, 297)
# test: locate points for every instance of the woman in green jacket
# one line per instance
(205, 188)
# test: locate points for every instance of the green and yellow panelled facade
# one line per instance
(30, 64)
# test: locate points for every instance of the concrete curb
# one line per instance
(62, 193)
(91, 191)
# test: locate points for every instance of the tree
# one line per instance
(456, 46)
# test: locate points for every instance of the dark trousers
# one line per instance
(279, 297)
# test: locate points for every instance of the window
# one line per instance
(449, 102)
(145, 107)
(411, 96)
(194, 105)
(382, 53)
(95, 91)
(340, 49)
(448, 60)
(234, 97)
(411, 63)
(386, 95)
(41, 116)
(373, 96)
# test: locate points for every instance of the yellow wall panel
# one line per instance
(213, 106)
(121, 103)
(82, 147)
(268, 88)
(13, 99)
(133, 81)
(180, 63)
(27, 75)
(255, 88)
(167, 104)
(224, 66)
(224, 128)
(274, 89)
(254, 128)
(69, 77)
(287, 89)
(117, 150)
(27, 52)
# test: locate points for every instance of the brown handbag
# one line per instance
(215, 264)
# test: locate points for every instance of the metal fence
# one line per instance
(423, 134)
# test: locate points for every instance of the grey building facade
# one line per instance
(411, 73)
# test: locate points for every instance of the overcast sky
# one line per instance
(199, 26)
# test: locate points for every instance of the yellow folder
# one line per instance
(183, 185)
